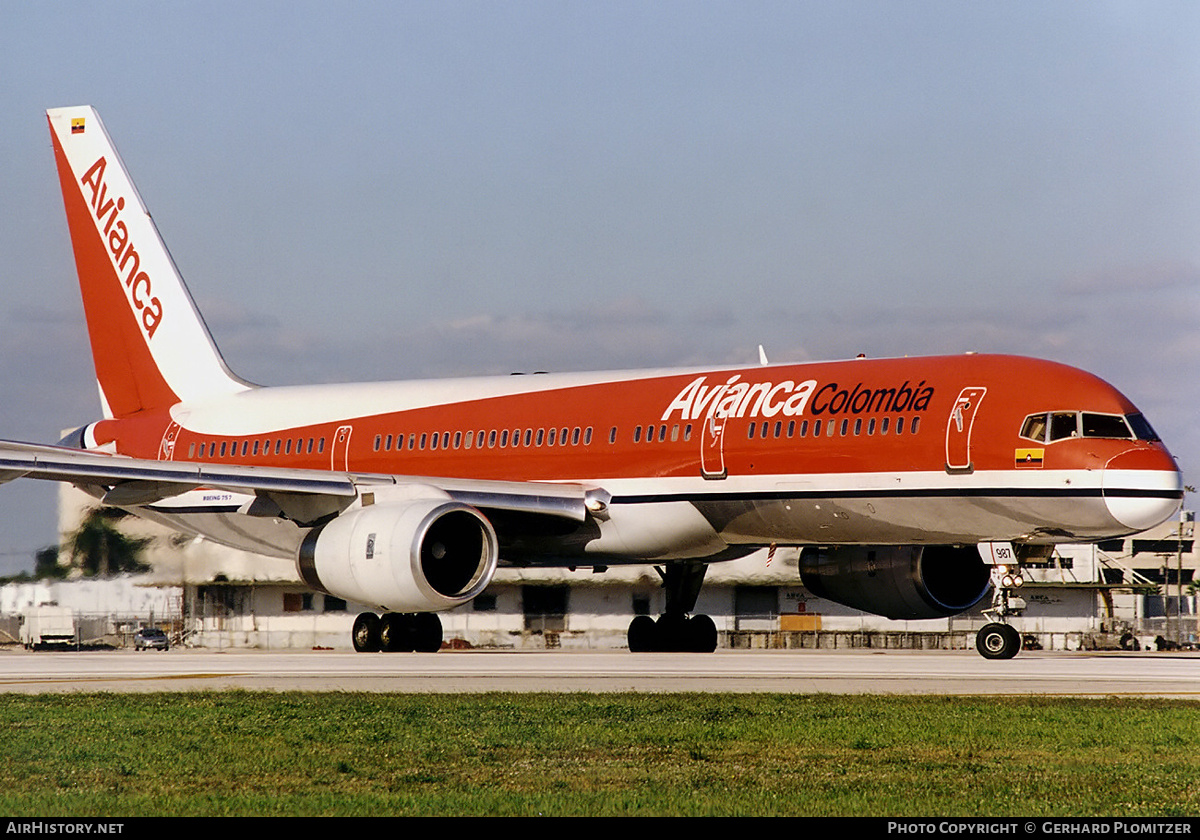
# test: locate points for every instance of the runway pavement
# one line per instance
(1143, 674)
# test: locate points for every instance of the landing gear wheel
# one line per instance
(670, 633)
(365, 634)
(998, 641)
(641, 634)
(426, 633)
(395, 633)
(702, 633)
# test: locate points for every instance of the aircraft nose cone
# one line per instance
(1142, 488)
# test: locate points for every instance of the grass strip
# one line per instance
(298, 754)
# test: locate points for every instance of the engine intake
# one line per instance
(897, 581)
(417, 556)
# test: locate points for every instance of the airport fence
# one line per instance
(100, 631)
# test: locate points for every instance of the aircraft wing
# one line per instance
(300, 494)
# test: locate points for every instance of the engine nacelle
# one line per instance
(897, 581)
(420, 555)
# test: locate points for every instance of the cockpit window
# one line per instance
(1105, 426)
(1141, 428)
(1034, 428)
(1063, 424)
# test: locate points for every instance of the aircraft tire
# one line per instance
(671, 634)
(702, 634)
(426, 633)
(641, 634)
(396, 633)
(365, 635)
(997, 641)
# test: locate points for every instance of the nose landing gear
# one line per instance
(998, 639)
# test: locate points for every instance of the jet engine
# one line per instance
(416, 556)
(897, 581)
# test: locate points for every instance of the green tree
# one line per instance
(101, 548)
(45, 564)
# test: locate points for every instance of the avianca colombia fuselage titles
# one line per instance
(405, 496)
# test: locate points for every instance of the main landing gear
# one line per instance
(397, 632)
(998, 639)
(674, 630)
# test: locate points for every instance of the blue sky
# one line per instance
(393, 190)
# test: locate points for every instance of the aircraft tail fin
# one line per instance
(150, 346)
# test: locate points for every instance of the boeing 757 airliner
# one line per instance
(913, 486)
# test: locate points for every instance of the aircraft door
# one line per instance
(712, 447)
(339, 457)
(958, 429)
(166, 449)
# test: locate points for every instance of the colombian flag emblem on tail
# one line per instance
(77, 125)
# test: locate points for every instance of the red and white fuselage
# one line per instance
(860, 451)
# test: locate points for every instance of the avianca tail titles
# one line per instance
(913, 486)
